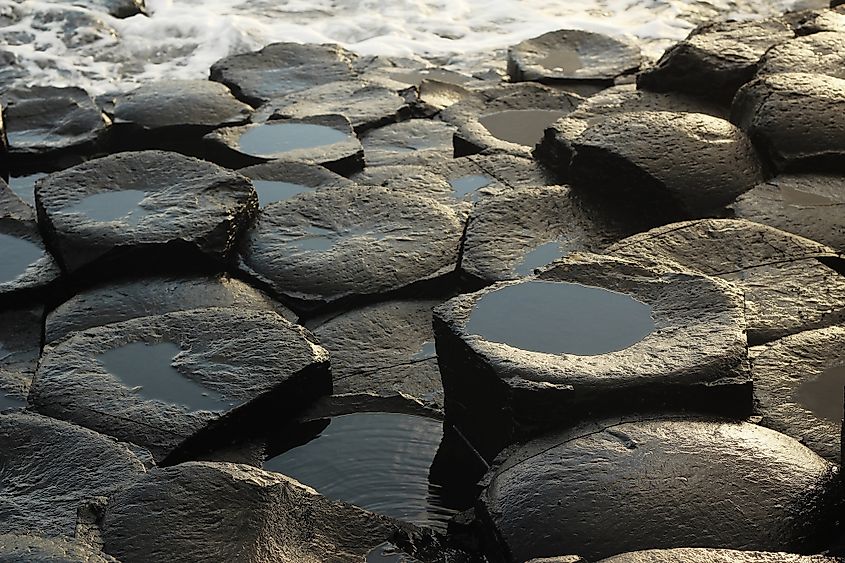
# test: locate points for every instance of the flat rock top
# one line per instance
(50, 467)
(739, 42)
(822, 53)
(705, 555)
(36, 549)
(665, 483)
(25, 264)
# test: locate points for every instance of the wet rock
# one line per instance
(20, 344)
(133, 298)
(511, 232)
(278, 180)
(666, 163)
(206, 373)
(141, 209)
(50, 467)
(796, 119)
(118, 8)
(43, 122)
(562, 559)
(385, 349)
(174, 114)
(282, 68)
(11, 205)
(715, 59)
(555, 148)
(35, 549)
(402, 142)
(707, 555)
(681, 482)
(787, 287)
(819, 53)
(590, 335)
(798, 388)
(422, 181)
(323, 247)
(810, 205)
(24, 186)
(228, 512)
(327, 140)
(26, 268)
(507, 170)
(571, 55)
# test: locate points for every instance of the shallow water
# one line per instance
(377, 461)
(271, 191)
(119, 205)
(541, 256)
(795, 197)
(561, 318)
(16, 255)
(387, 553)
(465, 185)
(824, 396)
(269, 140)
(521, 126)
(9, 402)
(562, 60)
(147, 368)
(24, 186)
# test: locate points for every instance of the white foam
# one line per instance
(61, 44)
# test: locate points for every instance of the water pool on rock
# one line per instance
(272, 139)
(823, 395)
(16, 255)
(122, 205)
(523, 127)
(271, 191)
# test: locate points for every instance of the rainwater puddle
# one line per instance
(120, 205)
(824, 395)
(521, 126)
(271, 191)
(541, 256)
(16, 255)
(270, 140)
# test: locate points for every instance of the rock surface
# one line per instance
(20, 344)
(616, 487)
(50, 467)
(208, 372)
(26, 267)
(819, 53)
(279, 179)
(12, 205)
(36, 549)
(707, 555)
(402, 142)
(121, 207)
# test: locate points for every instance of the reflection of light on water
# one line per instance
(16, 255)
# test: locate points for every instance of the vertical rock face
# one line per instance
(20, 343)
(36, 549)
(206, 374)
(617, 487)
(50, 467)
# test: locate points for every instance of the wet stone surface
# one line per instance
(180, 374)
(402, 142)
(556, 339)
(682, 482)
(20, 347)
(24, 186)
(36, 549)
(279, 180)
(77, 463)
(116, 209)
(819, 53)
(787, 288)
(26, 267)
(426, 182)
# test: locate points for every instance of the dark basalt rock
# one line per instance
(45, 122)
(35, 549)
(50, 467)
(141, 209)
(507, 170)
(555, 148)
(511, 232)
(133, 298)
(203, 511)
(590, 335)
(174, 114)
(810, 205)
(422, 181)
(707, 555)
(571, 55)
(403, 142)
(614, 487)
(4, 144)
(787, 288)
(278, 180)
(327, 140)
(120, 8)
(798, 384)
(715, 59)
(24, 186)
(282, 68)
(11, 205)
(206, 373)
(386, 349)
(322, 247)
(26, 268)
(819, 53)
(20, 343)
(796, 119)
(668, 164)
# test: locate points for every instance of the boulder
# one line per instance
(182, 380)
(20, 343)
(589, 335)
(36, 549)
(402, 142)
(819, 53)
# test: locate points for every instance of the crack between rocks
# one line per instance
(385, 368)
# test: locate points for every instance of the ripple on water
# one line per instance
(377, 461)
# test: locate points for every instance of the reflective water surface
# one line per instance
(16, 255)
(119, 205)
(520, 126)
(468, 184)
(270, 140)
(24, 186)
(388, 553)
(824, 396)
(271, 191)
(564, 59)
(561, 318)
(541, 256)
(797, 197)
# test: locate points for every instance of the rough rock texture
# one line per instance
(715, 59)
(384, 349)
(133, 298)
(513, 231)
(36, 549)
(694, 357)
(12, 205)
(807, 22)
(278, 180)
(122, 206)
(810, 205)
(503, 169)
(796, 119)
(243, 362)
(321, 247)
(706, 555)
(340, 150)
(227, 512)
(26, 267)
(121, 8)
(572, 55)
(50, 467)
(402, 142)
(671, 164)
(555, 148)
(423, 181)
(43, 121)
(616, 487)
(787, 288)
(20, 344)
(819, 53)
(282, 68)
(792, 392)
